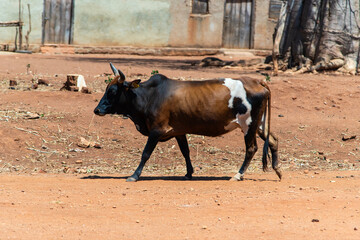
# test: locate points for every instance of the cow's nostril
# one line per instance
(96, 111)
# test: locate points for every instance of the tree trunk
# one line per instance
(318, 35)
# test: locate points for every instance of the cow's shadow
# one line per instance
(164, 178)
(178, 178)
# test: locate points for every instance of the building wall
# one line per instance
(9, 11)
(125, 22)
(142, 23)
(196, 30)
(263, 25)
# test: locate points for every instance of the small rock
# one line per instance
(13, 83)
(315, 220)
(78, 161)
(346, 138)
(84, 143)
(137, 221)
(97, 145)
(280, 115)
(204, 227)
(212, 151)
(32, 116)
(306, 171)
(43, 82)
(74, 89)
(76, 150)
(355, 228)
(86, 90)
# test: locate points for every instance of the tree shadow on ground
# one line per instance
(159, 63)
(180, 64)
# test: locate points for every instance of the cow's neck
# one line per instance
(135, 111)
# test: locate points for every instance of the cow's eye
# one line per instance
(112, 91)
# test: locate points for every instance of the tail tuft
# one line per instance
(265, 154)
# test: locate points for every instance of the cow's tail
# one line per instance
(267, 113)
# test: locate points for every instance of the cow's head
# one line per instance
(117, 95)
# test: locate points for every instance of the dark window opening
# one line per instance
(200, 7)
(274, 9)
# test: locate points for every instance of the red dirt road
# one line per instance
(51, 188)
(303, 206)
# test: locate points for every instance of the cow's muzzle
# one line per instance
(98, 112)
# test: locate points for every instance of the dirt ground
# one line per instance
(51, 187)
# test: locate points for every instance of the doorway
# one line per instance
(58, 21)
(237, 24)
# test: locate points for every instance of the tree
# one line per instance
(314, 35)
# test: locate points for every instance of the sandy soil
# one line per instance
(50, 187)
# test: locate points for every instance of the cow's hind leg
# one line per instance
(184, 147)
(273, 144)
(251, 148)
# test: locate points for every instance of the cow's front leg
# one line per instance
(149, 148)
(184, 147)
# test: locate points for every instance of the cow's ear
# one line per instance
(135, 83)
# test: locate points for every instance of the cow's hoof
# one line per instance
(187, 178)
(131, 179)
(279, 174)
(238, 177)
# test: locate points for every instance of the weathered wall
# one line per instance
(195, 30)
(125, 22)
(143, 23)
(263, 26)
(9, 11)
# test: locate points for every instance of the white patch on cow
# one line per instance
(80, 82)
(237, 90)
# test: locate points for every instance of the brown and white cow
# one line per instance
(162, 108)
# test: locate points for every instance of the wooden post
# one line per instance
(16, 34)
(28, 32)
(20, 26)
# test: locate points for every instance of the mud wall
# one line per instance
(9, 11)
(196, 30)
(126, 22)
(141, 23)
(263, 26)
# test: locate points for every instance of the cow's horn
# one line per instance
(113, 68)
(117, 72)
